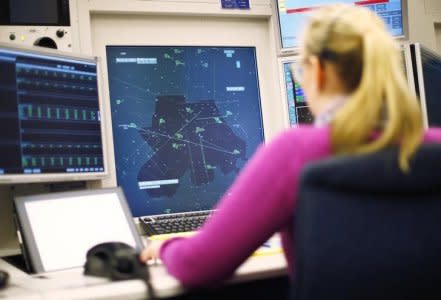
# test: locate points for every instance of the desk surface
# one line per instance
(72, 284)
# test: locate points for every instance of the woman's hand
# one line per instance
(151, 252)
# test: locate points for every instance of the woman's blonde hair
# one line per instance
(368, 61)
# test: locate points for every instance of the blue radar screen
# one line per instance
(185, 121)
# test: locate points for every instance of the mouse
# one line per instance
(4, 279)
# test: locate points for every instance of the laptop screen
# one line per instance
(58, 229)
(185, 121)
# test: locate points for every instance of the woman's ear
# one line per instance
(317, 72)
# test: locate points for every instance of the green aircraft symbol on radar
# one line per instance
(205, 65)
(132, 125)
(236, 151)
(199, 129)
(228, 113)
(167, 56)
(177, 51)
(179, 63)
(179, 136)
(210, 167)
(218, 120)
(189, 110)
(119, 101)
(161, 121)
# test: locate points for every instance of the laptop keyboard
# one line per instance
(173, 223)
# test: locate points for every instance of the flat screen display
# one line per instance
(298, 111)
(50, 115)
(35, 12)
(293, 15)
(185, 121)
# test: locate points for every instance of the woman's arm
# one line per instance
(258, 204)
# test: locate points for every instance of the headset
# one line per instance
(117, 261)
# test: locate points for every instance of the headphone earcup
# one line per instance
(124, 264)
(97, 266)
(117, 261)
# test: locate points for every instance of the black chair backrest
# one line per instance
(366, 230)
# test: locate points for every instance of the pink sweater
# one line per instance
(260, 203)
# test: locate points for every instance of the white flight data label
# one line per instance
(235, 88)
(156, 184)
(65, 229)
(137, 60)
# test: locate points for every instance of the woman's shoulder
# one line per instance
(304, 132)
(304, 137)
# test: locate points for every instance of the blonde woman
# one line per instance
(351, 74)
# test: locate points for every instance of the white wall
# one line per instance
(422, 17)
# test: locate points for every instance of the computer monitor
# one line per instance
(293, 14)
(427, 70)
(296, 107)
(31, 12)
(185, 120)
(50, 117)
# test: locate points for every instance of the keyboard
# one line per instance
(173, 223)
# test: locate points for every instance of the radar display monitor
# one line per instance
(185, 120)
(294, 97)
(428, 82)
(50, 117)
(293, 15)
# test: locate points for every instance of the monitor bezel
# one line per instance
(417, 48)
(294, 50)
(59, 177)
(28, 241)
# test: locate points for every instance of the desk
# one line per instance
(72, 284)
(19, 284)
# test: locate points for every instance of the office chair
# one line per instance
(365, 230)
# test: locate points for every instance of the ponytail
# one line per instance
(381, 111)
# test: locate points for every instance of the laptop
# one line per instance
(56, 230)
